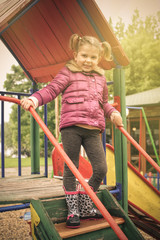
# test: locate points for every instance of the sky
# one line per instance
(125, 8)
(109, 8)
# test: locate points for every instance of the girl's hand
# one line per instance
(116, 119)
(26, 103)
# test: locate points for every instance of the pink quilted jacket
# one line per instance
(84, 98)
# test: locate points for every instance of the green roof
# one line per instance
(149, 97)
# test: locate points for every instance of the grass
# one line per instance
(25, 162)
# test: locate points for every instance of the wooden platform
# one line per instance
(86, 226)
(23, 189)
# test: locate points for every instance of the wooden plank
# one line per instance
(11, 7)
(106, 65)
(65, 10)
(46, 70)
(15, 45)
(57, 24)
(44, 79)
(85, 227)
(29, 43)
(80, 18)
(18, 47)
(119, 54)
(25, 188)
(8, 9)
(44, 36)
(33, 21)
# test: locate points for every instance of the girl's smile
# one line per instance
(87, 57)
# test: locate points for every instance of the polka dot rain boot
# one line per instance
(86, 209)
(73, 220)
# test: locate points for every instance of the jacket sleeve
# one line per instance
(54, 88)
(108, 109)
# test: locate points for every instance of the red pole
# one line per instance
(140, 149)
(150, 177)
(140, 139)
(75, 171)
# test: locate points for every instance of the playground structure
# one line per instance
(95, 199)
(128, 228)
(89, 11)
(138, 191)
(140, 162)
(98, 203)
(138, 186)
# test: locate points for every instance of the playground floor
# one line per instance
(22, 189)
(13, 226)
(13, 188)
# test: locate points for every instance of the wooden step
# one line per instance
(85, 227)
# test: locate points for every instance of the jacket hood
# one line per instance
(73, 67)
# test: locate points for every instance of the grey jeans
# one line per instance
(72, 139)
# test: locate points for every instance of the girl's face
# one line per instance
(87, 57)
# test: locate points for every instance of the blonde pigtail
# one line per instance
(74, 42)
(106, 51)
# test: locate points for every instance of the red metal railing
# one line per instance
(74, 170)
(140, 149)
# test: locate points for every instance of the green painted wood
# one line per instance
(120, 141)
(55, 210)
(35, 146)
(38, 233)
(117, 134)
(115, 209)
(46, 226)
(124, 143)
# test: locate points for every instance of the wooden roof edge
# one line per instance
(54, 68)
(9, 10)
(46, 70)
(120, 55)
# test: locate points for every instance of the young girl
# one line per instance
(84, 106)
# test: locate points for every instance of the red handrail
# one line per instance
(74, 170)
(140, 149)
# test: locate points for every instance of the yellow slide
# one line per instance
(141, 193)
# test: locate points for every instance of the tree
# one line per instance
(7, 137)
(141, 42)
(25, 131)
(120, 29)
(18, 82)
